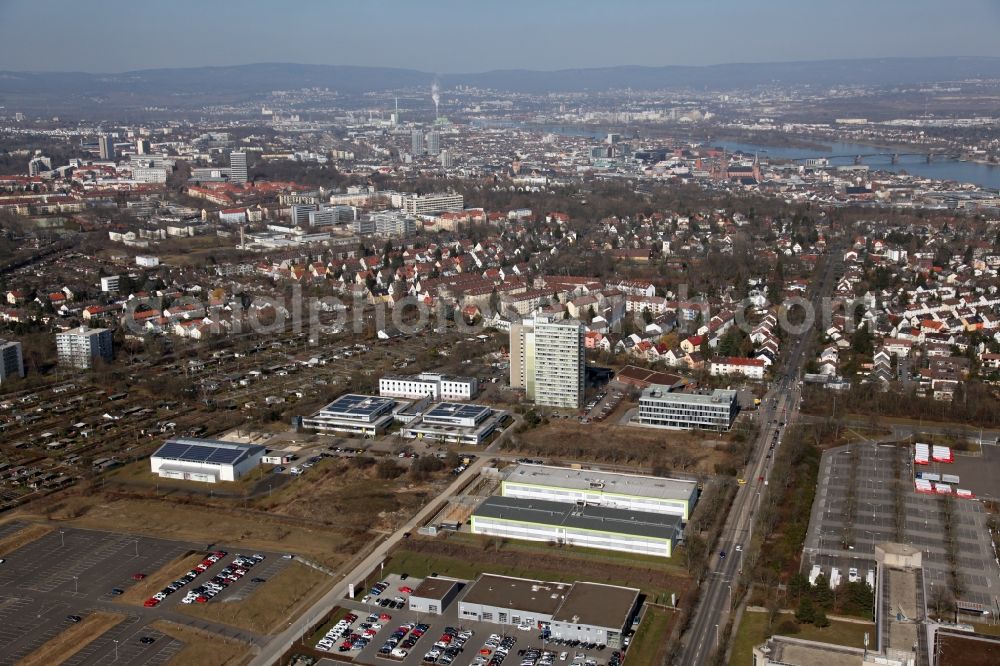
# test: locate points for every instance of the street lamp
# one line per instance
(76, 584)
(62, 538)
(116, 649)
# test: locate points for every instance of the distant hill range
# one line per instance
(258, 78)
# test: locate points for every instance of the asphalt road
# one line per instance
(781, 403)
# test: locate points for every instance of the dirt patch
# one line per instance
(609, 442)
(272, 605)
(72, 640)
(201, 647)
(23, 537)
(159, 579)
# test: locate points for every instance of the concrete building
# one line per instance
(633, 492)
(434, 594)
(581, 611)
(433, 143)
(149, 174)
(416, 143)
(364, 415)
(111, 283)
(238, 167)
(206, 460)
(11, 360)
(106, 147)
(658, 408)
(582, 525)
(80, 347)
(455, 423)
(38, 165)
(547, 360)
(433, 384)
(428, 204)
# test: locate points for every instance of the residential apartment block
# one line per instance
(79, 347)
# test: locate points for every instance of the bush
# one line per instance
(821, 619)
(788, 627)
(388, 469)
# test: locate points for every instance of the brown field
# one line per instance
(72, 640)
(201, 648)
(275, 602)
(607, 442)
(200, 522)
(23, 537)
(157, 580)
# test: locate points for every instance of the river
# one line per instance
(983, 175)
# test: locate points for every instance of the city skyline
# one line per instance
(450, 37)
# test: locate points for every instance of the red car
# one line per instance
(149, 603)
(384, 617)
(138, 576)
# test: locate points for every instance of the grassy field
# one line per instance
(72, 640)
(200, 647)
(422, 557)
(157, 580)
(274, 603)
(649, 645)
(23, 537)
(753, 630)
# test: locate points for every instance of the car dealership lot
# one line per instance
(76, 572)
(445, 631)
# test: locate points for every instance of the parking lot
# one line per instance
(834, 540)
(445, 639)
(76, 572)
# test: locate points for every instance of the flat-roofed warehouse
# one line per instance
(583, 611)
(434, 594)
(365, 415)
(578, 525)
(455, 422)
(207, 460)
(612, 489)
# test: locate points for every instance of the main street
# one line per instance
(779, 407)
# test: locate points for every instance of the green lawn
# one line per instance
(422, 565)
(650, 641)
(753, 631)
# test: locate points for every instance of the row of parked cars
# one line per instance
(403, 640)
(341, 629)
(238, 568)
(494, 651)
(448, 647)
(200, 568)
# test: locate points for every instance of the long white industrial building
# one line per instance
(634, 492)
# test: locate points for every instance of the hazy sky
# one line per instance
(474, 35)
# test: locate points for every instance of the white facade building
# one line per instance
(426, 204)
(80, 347)
(751, 368)
(658, 408)
(437, 386)
(206, 460)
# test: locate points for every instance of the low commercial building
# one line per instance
(434, 594)
(365, 415)
(584, 525)
(658, 408)
(583, 611)
(435, 385)
(455, 423)
(206, 460)
(634, 492)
